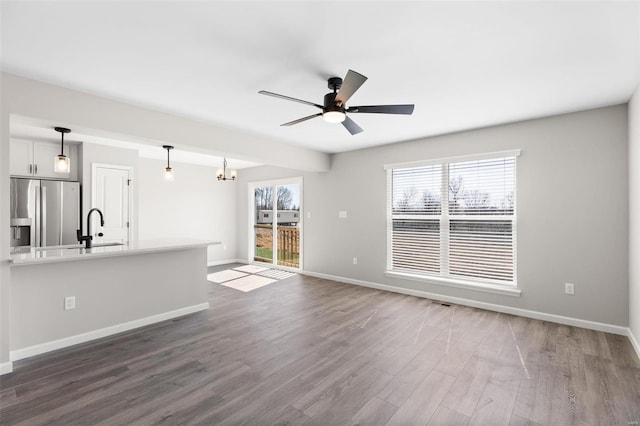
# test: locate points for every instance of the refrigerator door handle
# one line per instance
(61, 224)
(35, 225)
(43, 217)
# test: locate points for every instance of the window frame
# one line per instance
(445, 220)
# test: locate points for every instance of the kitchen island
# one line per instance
(111, 288)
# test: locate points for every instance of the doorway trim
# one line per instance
(250, 222)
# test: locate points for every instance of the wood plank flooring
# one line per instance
(311, 351)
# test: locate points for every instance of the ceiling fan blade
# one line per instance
(352, 82)
(383, 109)
(300, 120)
(288, 98)
(351, 126)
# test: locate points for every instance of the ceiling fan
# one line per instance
(335, 109)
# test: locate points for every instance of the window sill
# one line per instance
(467, 285)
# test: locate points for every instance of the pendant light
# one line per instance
(222, 173)
(168, 171)
(62, 163)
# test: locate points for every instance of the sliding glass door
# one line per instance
(277, 222)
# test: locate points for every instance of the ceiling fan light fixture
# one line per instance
(334, 116)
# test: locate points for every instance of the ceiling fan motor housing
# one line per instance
(330, 103)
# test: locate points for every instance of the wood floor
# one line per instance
(310, 351)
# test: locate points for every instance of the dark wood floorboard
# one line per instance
(310, 351)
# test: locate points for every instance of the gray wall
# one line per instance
(572, 212)
(109, 291)
(634, 217)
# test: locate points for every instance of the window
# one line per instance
(454, 219)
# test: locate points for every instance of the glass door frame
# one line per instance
(252, 217)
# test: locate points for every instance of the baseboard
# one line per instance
(42, 348)
(592, 325)
(224, 262)
(634, 342)
(6, 367)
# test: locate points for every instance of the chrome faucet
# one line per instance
(88, 238)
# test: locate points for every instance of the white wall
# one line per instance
(98, 116)
(194, 205)
(5, 276)
(572, 212)
(634, 219)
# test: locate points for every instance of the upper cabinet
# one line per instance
(37, 159)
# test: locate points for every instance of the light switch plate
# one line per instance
(69, 303)
(569, 288)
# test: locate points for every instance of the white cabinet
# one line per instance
(37, 159)
(21, 158)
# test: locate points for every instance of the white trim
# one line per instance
(6, 367)
(224, 262)
(634, 342)
(559, 319)
(42, 348)
(471, 157)
(506, 290)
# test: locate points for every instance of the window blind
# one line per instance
(455, 219)
(417, 205)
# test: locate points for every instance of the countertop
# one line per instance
(78, 252)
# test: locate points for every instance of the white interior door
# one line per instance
(111, 195)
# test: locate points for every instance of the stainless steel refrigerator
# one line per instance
(44, 212)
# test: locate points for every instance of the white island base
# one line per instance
(113, 293)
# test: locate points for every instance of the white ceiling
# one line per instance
(463, 64)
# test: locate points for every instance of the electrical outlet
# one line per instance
(69, 303)
(569, 288)
(355, 260)
(224, 247)
(308, 215)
